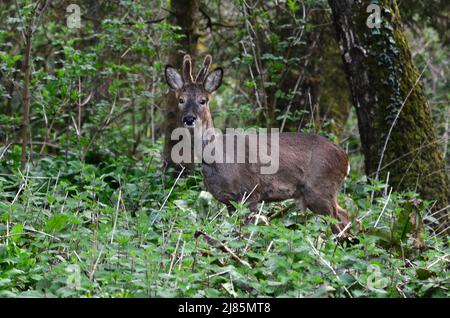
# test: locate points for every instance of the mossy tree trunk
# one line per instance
(185, 14)
(387, 92)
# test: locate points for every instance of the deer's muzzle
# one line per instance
(189, 120)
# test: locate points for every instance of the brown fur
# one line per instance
(311, 168)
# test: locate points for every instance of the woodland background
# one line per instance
(91, 205)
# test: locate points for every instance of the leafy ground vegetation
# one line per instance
(87, 211)
(125, 229)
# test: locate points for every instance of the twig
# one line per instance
(288, 108)
(4, 150)
(131, 23)
(40, 232)
(22, 32)
(91, 274)
(429, 144)
(173, 186)
(245, 198)
(443, 231)
(219, 273)
(328, 264)
(17, 194)
(436, 212)
(384, 207)
(268, 248)
(395, 121)
(116, 215)
(174, 254)
(344, 229)
(256, 223)
(219, 245)
(258, 100)
(217, 214)
(180, 260)
(443, 258)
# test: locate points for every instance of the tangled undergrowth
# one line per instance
(124, 229)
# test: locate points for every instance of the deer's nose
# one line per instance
(189, 120)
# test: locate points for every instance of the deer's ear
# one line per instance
(173, 78)
(213, 80)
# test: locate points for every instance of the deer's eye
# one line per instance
(202, 101)
(181, 101)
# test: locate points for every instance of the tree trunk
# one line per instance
(26, 98)
(397, 132)
(184, 14)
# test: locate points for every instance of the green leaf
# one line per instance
(57, 222)
(4, 282)
(423, 273)
(293, 5)
(16, 232)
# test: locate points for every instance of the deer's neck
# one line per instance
(202, 135)
(207, 123)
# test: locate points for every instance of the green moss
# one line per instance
(412, 155)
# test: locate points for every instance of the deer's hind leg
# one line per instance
(343, 217)
(325, 203)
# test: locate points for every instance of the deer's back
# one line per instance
(305, 160)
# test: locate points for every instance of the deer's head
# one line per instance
(194, 95)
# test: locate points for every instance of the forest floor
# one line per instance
(122, 228)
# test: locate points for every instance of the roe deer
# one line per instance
(311, 168)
